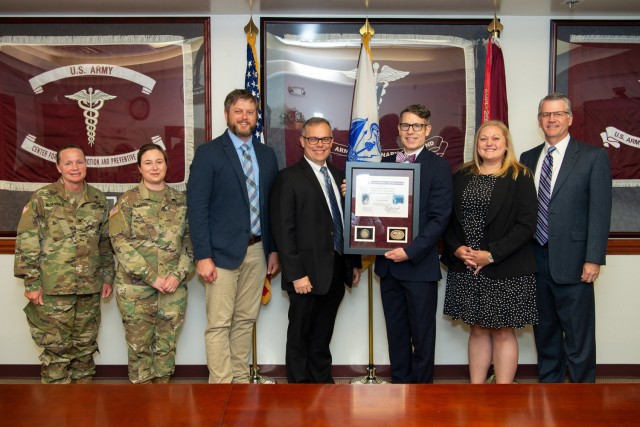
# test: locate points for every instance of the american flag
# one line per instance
(252, 79)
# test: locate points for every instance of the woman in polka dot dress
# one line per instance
(491, 282)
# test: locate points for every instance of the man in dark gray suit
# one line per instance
(227, 200)
(574, 212)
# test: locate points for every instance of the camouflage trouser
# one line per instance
(152, 321)
(66, 326)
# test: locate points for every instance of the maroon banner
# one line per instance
(604, 88)
(109, 98)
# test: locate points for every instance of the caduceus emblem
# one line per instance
(91, 101)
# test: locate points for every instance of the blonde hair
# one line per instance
(509, 163)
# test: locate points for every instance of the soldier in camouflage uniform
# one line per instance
(150, 235)
(64, 255)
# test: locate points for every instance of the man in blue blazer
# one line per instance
(570, 245)
(227, 200)
(409, 276)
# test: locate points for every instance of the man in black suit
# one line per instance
(409, 276)
(227, 200)
(570, 243)
(306, 212)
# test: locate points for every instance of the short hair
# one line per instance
(150, 147)
(236, 95)
(510, 163)
(556, 96)
(314, 121)
(419, 110)
(67, 147)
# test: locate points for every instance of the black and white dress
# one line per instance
(478, 299)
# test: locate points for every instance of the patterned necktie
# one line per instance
(335, 212)
(544, 198)
(402, 157)
(252, 190)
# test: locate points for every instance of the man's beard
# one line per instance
(233, 128)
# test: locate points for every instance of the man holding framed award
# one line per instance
(409, 275)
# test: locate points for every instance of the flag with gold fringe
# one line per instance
(266, 290)
(364, 134)
(252, 77)
(494, 95)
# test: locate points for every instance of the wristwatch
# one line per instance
(490, 258)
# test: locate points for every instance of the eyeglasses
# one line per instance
(416, 126)
(555, 114)
(313, 140)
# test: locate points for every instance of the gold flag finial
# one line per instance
(495, 27)
(251, 28)
(367, 28)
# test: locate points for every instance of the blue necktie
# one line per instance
(335, 212)
(252, 190)
(544, 198)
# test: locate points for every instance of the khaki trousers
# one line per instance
(233, 304)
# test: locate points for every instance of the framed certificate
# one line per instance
(381, 208)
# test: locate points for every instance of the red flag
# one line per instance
(494, 95)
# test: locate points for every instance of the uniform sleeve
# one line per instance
(128, 257)
(27, 259)
(107, 262)
(185, 264)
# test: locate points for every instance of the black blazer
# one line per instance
(303, 228)
(508, 230)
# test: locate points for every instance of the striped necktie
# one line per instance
(544, 198)
(335, 212)
(252, 190)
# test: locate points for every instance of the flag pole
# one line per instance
(367, 32)
(251, 30)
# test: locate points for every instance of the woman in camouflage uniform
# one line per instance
(150, 236)
(64, 256)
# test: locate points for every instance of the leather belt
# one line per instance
(254, 239)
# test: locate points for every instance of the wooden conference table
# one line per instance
(320, 405)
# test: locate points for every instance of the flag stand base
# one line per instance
(256, 378)
(254, 370)
(370, 378)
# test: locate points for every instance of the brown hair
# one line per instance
(150, 147)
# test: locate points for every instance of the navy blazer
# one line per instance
(508, 229)
(435, 208)
(579, 211)
(303, 228)
(218, 202)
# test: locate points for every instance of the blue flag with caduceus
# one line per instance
(364, 134)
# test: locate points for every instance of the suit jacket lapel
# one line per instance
(497, 197)
(232, 155)
(568, 162)
(310, 175)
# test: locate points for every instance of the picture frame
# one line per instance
(308, 69)
(156, 71)
(382, 204)
(592, 62)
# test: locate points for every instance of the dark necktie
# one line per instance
(252, 190)
(402, 157)
(544, 198)
(335, 212)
